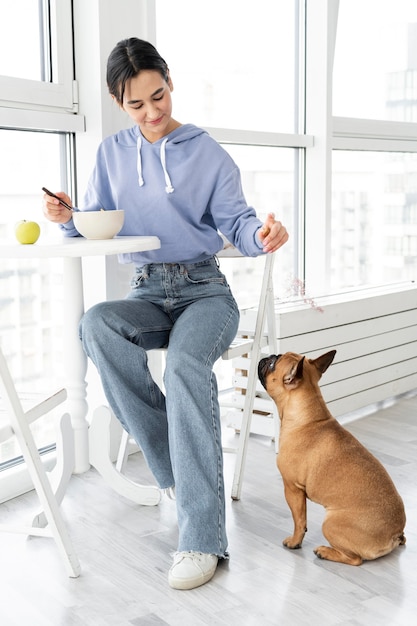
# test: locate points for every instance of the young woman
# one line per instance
(176, 182)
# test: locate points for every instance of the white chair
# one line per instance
(249, 341)
(49, 522)
(252, 338)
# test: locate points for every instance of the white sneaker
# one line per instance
(191, 569)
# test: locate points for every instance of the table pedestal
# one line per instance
(99, 439)
(75, 365)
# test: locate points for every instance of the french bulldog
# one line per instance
(320, 460)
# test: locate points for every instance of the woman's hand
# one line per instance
(273, 234)
(54, 211)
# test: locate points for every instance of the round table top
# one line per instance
(76, 247)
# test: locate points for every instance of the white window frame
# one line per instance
(374, 135)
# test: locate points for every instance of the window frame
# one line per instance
(373, 135)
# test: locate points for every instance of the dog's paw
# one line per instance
(318, 553)
(291, 543)
(331, 554)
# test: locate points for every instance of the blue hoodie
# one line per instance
(183, 188)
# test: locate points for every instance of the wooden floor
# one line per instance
(125, 549)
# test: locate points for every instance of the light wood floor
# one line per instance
(125, 549)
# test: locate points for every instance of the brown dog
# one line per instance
(320, 460)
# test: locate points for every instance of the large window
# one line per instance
(31, 294)
(242, 72)
(315, 101)
(36, 149)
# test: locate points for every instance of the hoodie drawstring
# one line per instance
(168, 185)
(139, 162)
(169, 188)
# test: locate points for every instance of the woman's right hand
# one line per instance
(54, 211)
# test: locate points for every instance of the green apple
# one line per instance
(27, 232)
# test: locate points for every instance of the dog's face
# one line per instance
(283, 372)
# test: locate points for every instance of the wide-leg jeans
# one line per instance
(189, 309)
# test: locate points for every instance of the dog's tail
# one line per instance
(401, 540)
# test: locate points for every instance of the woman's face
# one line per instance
(147, 101)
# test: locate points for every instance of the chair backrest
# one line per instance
(265, 316)
(228, 249)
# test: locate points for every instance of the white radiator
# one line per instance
(374, 332)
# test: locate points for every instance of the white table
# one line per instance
(72, 249)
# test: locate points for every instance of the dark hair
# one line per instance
(127, 59)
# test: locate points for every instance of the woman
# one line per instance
(176, 182)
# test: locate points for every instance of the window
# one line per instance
(347, 192)
(36, 65)
(375, 67)
(374, 161)
(239, 70)
(31, 290)
(18, 27)
(268, 179)
(373, 195)
(37, 123)
(243, 74)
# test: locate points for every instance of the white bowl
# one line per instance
(98, 224)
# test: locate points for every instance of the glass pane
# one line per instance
(375, 67)
(236, 67)
(268, 183)
(374, 218)
(21, 41)
(31, 292)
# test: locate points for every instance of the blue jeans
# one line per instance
(189, 309)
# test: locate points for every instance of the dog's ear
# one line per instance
(293, 377)
(323, 361)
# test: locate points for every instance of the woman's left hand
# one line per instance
(273, 234)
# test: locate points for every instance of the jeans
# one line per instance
(189, 309)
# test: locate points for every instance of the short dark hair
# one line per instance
(127, 59)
